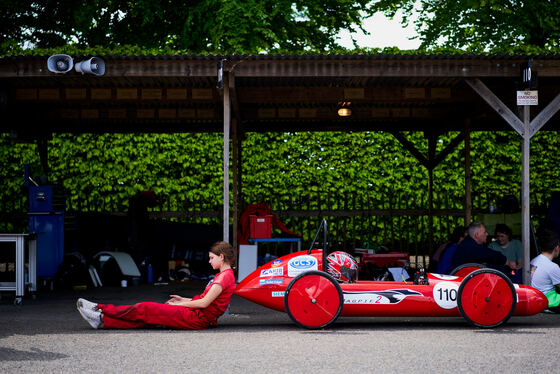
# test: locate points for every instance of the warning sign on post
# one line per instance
(527, 97)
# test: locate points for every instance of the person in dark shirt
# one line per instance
(445, 264)
(473, 249)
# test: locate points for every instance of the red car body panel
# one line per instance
(266, 286)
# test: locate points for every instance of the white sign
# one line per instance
(527, 97)
(445, 294)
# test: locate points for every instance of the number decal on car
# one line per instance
(445, 294)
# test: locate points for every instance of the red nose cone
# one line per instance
(530, 301)
(540, 303)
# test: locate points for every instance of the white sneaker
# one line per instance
(88, 305)
(92, 317)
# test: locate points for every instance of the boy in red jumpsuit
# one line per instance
(200, 312)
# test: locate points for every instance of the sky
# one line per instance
(384, 33)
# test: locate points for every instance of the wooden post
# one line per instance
(526, 129)
(227, 126)
(237, 171)
(429, 163)
(525, 204)
(430, 212)
(468, 197)
(432, 143)
(43, 150)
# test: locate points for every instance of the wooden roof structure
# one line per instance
(264, 93)
(268, 92)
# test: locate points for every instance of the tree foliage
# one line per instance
(211, 26)
(480, 25)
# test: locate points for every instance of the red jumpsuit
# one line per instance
(147, 314)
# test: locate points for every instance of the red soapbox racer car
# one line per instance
(314, 299)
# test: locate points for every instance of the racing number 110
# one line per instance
(450, 294)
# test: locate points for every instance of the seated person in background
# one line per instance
(473, 250)
(545, 274)
(438, 254)
(511, 248)
(445, 264)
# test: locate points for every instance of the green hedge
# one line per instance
(101, 172)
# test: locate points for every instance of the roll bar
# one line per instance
(323, 226)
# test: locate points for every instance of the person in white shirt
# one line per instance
(545, 274)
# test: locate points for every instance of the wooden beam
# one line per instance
(37, 67)
(43, 150)
(369, 212)
(496, 104)
(526, 129)
(468, 199)
(542, 118)
(410, 147)
(458, 68)
(433, 160)
(290, 67)
(234, 98)
(299, 213)
(449, 148)
(396, 92)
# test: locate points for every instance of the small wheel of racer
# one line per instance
(486, 298)
(313, 299)
(466, 269)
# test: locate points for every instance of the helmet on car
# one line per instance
(342, 267)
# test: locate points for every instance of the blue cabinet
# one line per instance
(46, 219)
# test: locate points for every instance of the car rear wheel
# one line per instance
(313, 300)
(465, 269)
(486, 298)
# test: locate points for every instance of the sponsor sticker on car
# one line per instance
(263, 282)
(301, 264)
(378, 297)
(276, 263)
(272, 272)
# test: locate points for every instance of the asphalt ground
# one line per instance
(47, 334)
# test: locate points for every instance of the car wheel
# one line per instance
(465, 269)
(313, 300)
(486, 298)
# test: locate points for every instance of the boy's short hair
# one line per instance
(548, 240)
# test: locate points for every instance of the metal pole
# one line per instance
(525, 207)
(227, 125)
(468, 198)
(432, 143)
(325, 248)
(430, 214)
(20, 267)
(236, 178)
